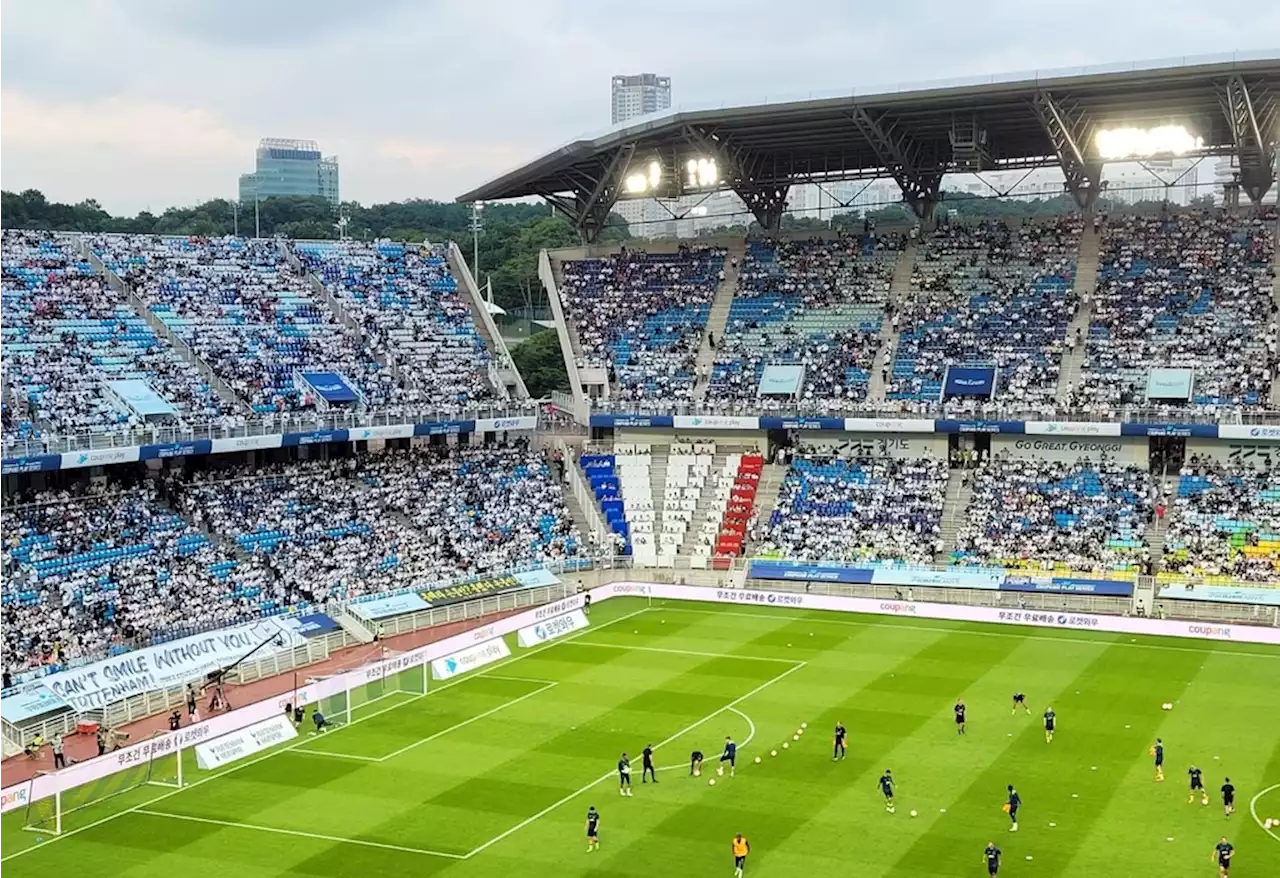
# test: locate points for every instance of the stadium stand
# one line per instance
(1045, 514)
(1189, 291)
(1225, 521)
(407, 300)
(67, 335)
(250, 316)
(989, 294)
(642, 315)
(812, 303)
(114, 565)
(870, 509)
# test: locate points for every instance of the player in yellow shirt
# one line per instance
(741, 847)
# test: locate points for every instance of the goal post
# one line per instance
(54, 795)
(345, 696)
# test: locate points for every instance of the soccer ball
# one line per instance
(757, 760)
(1167, 706)
(795, 737)
(1266, 824)
(913, 813)
(773, 752)
(712, 781)
(785, 745)
(804, 725)
(720, 771)
(799, 731)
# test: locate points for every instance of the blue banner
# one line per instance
(330, 386)
(1205, 431)
(970, 381)
(1224, 594)
(27, 701)
(955, 426)
(802, 572)
(396, 605)
(802, 423)
(632, 421)
(1067, 585)
(175, 449)
(311, 625)
(42, 463)
(320, 437)
(139, 396)
(444, 428)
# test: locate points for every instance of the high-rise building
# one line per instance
(290, 167)
(635, 96)
(640, 95)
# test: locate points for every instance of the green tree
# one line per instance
(541, 363)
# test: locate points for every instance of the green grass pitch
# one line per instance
(492, 774)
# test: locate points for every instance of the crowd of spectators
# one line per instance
(1225, 520)
(1191, 291)
(643, 316)
(1081, 515)
(813, 303)
(838, 508)
(114, 564)
(67, 334)
(989, 294)
(406, 301)
(249, 315)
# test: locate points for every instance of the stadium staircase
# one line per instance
(1275, 297)
(1159, 531)
(511, 384)
(719, 317)
(220, 387)
(1086, 281)
(899, 291)
(771, 478)
(959, 493)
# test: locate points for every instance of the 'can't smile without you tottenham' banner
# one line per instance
(169, 664)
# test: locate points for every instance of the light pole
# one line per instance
(235, 217)
(257, 216)
(477, 226)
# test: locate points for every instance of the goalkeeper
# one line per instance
(318, 718)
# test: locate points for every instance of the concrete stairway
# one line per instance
(512, 384)
(706, 499)
(1085, 282)
(899, 293)
(769, 492)
(719, 317)
(220, 387)
(959, 493)
(1159, 530)
(1275, 297)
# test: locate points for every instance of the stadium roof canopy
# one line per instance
(914, 135)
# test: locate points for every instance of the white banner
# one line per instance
(912, 609)
(714, 422)
(246, 443)
(1071, 428)
(1126, 450)
(552, 628)
(388, 431)
(100, 457)
(497, 425)
(887, 425)
(168, 664)
(246, 742)
(469, 659)
(1261, 433)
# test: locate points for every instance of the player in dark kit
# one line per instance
(992, 856)
(730, 755)
(1223, 852)
(959, 708)
(647, 770)
(1157, 753)
(886, 788)
(1019, 700)
(624, 775)
(586, 604)
(1015, 802)
(1050, 721)
(1228, 797)
(593, 829)
(695, 763)
(837, 749)
(1197, 783)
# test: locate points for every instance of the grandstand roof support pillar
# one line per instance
(1251, 113)
(766, 202)
(594, 196)
(1070, 131)
(759, 187)
(918, 176)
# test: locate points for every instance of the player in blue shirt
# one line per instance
(318, 718)
(1223, 852)
(1050, 720)
(837, 750)
(992, 856)
(1015, 802)
(1157, 752)
(593, 829)
(624, 775)
(730, 755)
(886, 788)
(1228, 797)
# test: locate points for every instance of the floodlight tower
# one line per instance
(477, 226)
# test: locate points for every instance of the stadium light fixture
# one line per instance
(647, 180)
(1132, 143)
(701, 173)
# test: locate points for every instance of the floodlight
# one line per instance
(1124, 143)
(637, 183)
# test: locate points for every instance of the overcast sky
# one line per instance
(151, 103)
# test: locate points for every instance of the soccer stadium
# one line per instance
(959, 536)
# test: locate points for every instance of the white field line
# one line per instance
(944, 627)
(515, 679)
(291, 747)
(730, 655)
(795, 666)
(1253, 809)
(299, 833)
